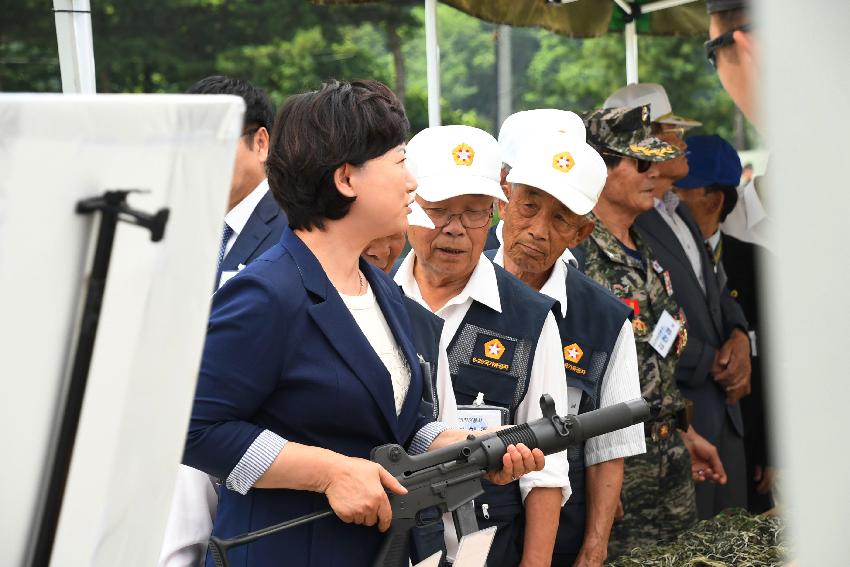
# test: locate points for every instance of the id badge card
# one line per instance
(664, 334)
(478, 417)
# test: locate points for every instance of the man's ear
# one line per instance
(261, 144)
(342, 179)
(744, 43)
(582, 233)
(503, 206)
(503, 181)
(714, 203)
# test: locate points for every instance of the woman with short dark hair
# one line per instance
(309, 362)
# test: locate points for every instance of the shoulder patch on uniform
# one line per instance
(633, 303)
(493, 352)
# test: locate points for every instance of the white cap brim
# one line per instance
(681, 121)
(418, 216)
(441, 187)
(567, 193)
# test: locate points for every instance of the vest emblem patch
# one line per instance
(494, 349)
(573, 353)
(496, 353)
(575, 357)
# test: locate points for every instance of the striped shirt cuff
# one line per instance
(425, 436)
(256, 461)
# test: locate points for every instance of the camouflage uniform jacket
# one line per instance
(646, 288)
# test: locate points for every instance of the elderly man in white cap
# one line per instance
(554, 183)
(500, 338)
(516, 130)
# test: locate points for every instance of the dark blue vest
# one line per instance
(493, 353)
(427, 329)
(588, 335)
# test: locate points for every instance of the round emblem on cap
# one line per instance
(563, 161)
(463, 154)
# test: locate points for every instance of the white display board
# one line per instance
(803, 50)
(54, 151)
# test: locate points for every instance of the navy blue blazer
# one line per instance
(284, 353)
(261, 232)
(711, 318)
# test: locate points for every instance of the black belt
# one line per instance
(663, 426)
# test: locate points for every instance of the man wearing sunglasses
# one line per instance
(500, 338)
(731, 50)
(657, 496)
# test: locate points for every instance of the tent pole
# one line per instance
(631, 53)
(76, 51)
(504, 76)
(432, 56)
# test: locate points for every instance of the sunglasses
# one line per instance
(711, 46)
(641, 165)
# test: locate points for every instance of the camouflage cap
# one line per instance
(626, 131)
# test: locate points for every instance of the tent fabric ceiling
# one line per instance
(584, 18)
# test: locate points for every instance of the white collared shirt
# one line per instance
(547, 372)
(620, 383)
(237, 217)
(666, 207)
(714, 240)
(748, 221)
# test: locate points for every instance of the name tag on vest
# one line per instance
(495, 353)
(476, 418)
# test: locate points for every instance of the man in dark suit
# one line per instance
(710, 193)
(714, 369)
(254, 221)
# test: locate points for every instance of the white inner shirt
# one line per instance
(237, 217)
(667, 209)
(366, 311)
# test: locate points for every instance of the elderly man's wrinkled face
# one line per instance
(451, 251)
(382, 252)
(672, 170)
(538, 228)
(628, 189)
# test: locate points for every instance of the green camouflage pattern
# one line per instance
(607, 263)
(627, 131)
(658, 492)
(657, 495)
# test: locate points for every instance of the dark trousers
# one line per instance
(713, 498)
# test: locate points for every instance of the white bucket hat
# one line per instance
(653, 94)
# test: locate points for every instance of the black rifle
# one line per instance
(451, 476)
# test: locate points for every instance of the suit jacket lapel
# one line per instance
(655, 224)
(256, 230)
(337, 324)
(712, 287)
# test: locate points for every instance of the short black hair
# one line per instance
(319, 131)
(259, 110)
(730, 197)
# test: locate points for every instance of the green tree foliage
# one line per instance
(290, 46)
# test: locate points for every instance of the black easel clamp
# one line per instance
(113, 208)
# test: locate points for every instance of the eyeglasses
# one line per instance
(469, 219)
(711, 46)
(677, 131)
(642, 165)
